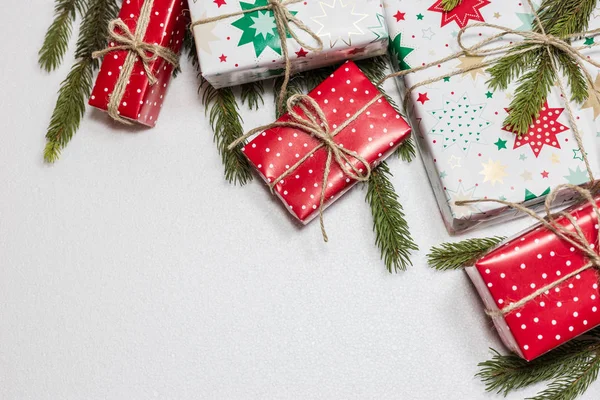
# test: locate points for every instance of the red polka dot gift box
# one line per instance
(240, 43)
(368, 126)
(540, 290)
(140, 99)
(468, 152)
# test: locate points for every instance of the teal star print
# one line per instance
(420, 17)
(522, 157)
(501, 144)
(489, 95)
(589, 41)
(259, 28)
(578, 154)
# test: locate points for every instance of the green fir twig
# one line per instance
(226, 121)
(534, 69)
(569, 369)
(56, 41)
(449, 256)
(449, 5)
(252, 95)
(76, 88)
(392, 234)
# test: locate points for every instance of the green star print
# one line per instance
(400, 52)
(259, 28)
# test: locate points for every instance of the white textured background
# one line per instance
(132, 270)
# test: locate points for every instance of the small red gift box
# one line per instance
(529, 263)
(142, 101)
(374, 135)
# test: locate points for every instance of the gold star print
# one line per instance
(454, 162)
(493, 172)
(497, 15)
(527, 176)
(592, 101)
(509, 96)
(204, 34)
(468, 62)
(555, 158)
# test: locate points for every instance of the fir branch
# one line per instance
(458, 255)
(389, 223)
(573, 384)
(296, 85)
(512, 66)
(567, 367)
(56, 41)
(530, 95)
(69, 110)
(449, 5)
(222, 108)
(252, 95)
(558, 18)
(575, 77)
(374, 68)
(77, 87)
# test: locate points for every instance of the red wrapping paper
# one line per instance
(142, 102)
(530, 262)
(374, 135)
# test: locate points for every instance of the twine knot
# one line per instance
(283, 20)
(134, 43)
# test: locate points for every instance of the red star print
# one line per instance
(545, 174)
(423, 98)
(220, 3)
(301, 53)
(223, 58)
(399, 16)
(465, 11)
(542, 131)
(358, 50)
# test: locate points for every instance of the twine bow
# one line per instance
(134, 43)
(283, 20)
(534, 40)
(315, 124)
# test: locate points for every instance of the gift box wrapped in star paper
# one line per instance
(540, 261)
(370, 128)
(458, 122)
(246, 47)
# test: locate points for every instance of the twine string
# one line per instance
(134, 44)
(283, 21)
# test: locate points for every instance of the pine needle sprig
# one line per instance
(450, 256)
(296, 85)
(375, 68)
(56, 40)
(392, 234)
(76, 88)
(570, 369)
(224, 117)
(252, 95)
(530, 95)
(449, 5)
(535, 67)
